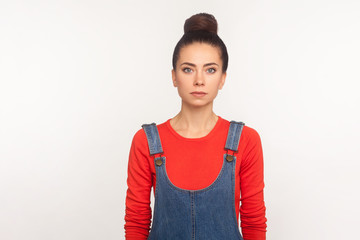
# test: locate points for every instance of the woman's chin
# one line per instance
(197, 104)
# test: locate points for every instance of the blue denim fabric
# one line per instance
(153, 137)
(205, 214)
(232, 141)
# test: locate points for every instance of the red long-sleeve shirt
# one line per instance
(194, 163)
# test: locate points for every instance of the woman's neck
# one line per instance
(193, 122)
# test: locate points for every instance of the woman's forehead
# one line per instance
(199, 52)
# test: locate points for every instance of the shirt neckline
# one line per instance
(209, 135)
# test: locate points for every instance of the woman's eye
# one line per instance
(187, 70)
(211, 70)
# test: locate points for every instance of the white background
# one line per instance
(78, 78)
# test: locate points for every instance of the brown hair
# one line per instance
(201, 27)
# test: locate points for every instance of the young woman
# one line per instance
(200, 165)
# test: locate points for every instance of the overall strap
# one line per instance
(233, 137)
(153, 138)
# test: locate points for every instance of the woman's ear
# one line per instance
(173, 77)
(222, 82)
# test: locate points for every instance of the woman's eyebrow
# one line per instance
(208, 64)
(193, 65)
(187, 63)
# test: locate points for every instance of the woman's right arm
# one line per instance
(139, 181)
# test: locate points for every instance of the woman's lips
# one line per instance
(198, 94)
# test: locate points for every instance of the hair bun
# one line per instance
(201, 21)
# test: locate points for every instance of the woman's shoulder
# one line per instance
(248, 133)
(251, 132)
(246, 129)
(140, 135)
(139, 140)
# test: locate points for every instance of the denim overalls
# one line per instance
(204, 214)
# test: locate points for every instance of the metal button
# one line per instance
(229, 158)
(158, 162)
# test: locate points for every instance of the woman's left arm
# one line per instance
(252, 210)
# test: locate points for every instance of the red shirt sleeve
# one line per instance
(139, 181)
(252, 209)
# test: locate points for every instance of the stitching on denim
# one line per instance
(153, 138)
(154, 217)
(234, 135)
(192, 197)
(237, 141)
(233, 196)
(231, 136)
(147, 129)
(152, 147)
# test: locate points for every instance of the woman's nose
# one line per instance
(199, 79)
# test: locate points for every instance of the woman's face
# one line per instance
(198, 75)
